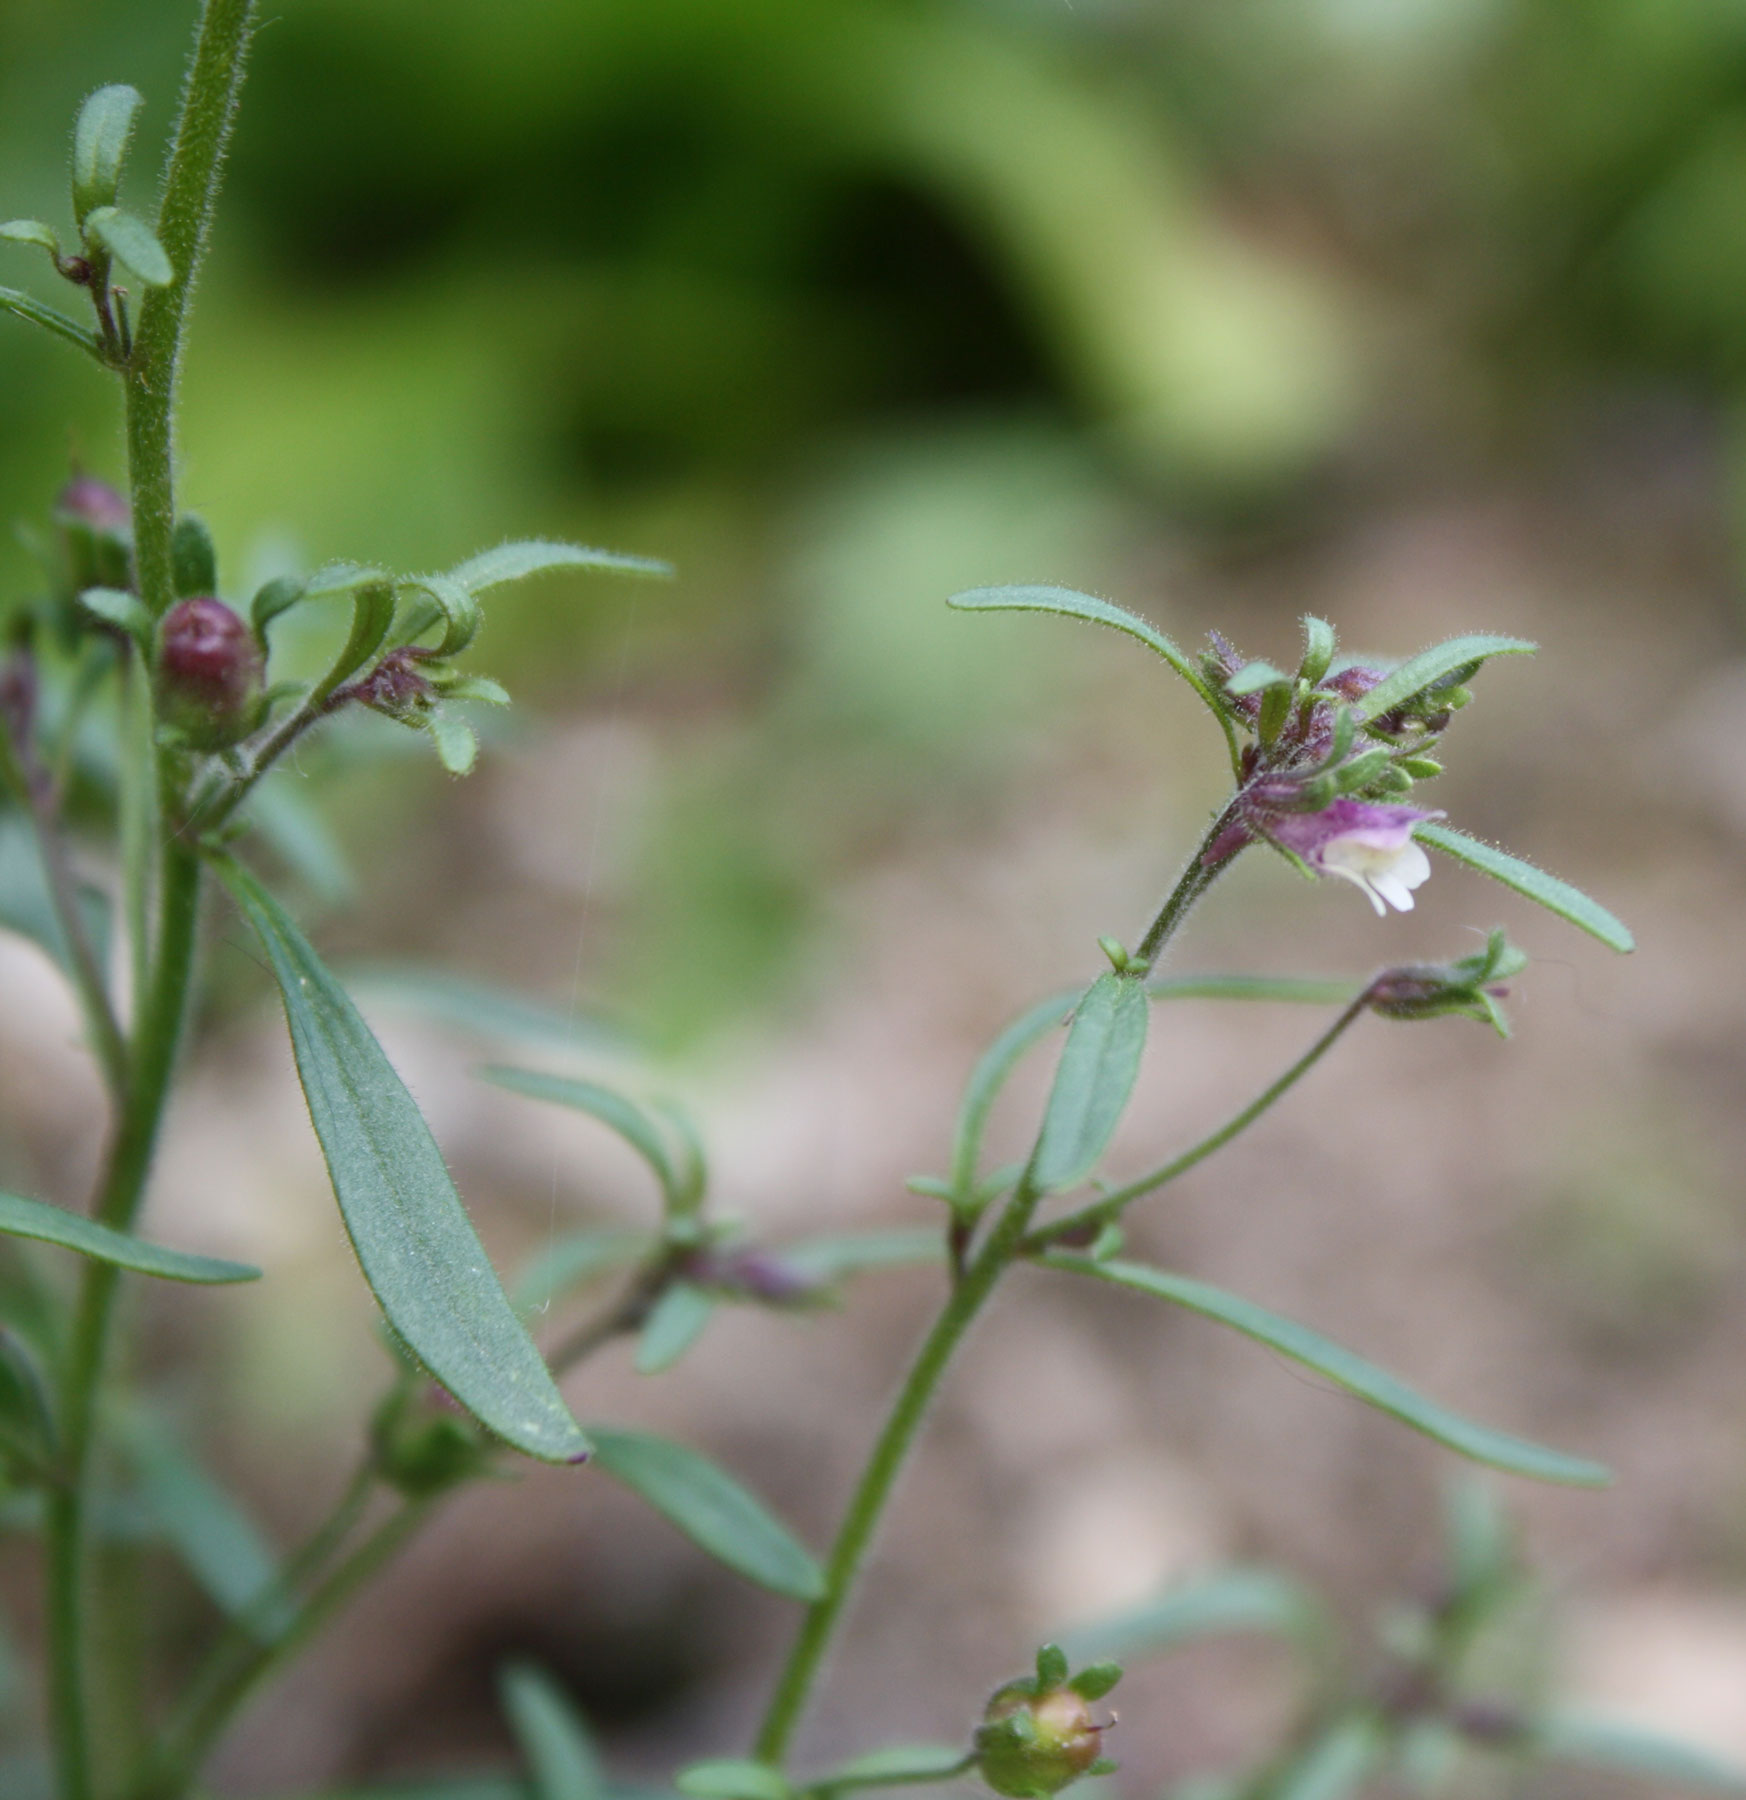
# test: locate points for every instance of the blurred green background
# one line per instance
(1424, 314)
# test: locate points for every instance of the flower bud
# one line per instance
(1037, 1734)
(424, 1443)
(209, 672)
(97, 530)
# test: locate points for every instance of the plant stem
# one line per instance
(208, 105)
(1003, 1245)
(1100, 1212)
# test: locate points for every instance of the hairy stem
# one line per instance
(190, 186)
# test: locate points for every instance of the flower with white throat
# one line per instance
(1367, 844)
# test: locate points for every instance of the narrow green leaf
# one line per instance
(899, 1765)
(1417, 673)
(1347, 1369)
(732, 1778)
(675, 1322)
(612, 1109)
(457, 606)
(274, 597)
(571, 1261)
(1224, 1604)
(26, 306)
(31, 231)
(1318, 649)
(73, 1231)
(220, 1544)
(1535, 884)
(372, 597)
(100, 137)
(414, 1241)
(554, 1740)
(194, 557)
(478, 1007)
(1294, 990)
(1338, 1764)
(1253, 677)
(990, 1075)
(1599, 1744)
(514, 562)
(122, 609)
(27, 905)
(1096, 1074)
(711, 1508)
(132, 241)
(859, 1252)
(456, 741)
(1073, 605)
(480, 689)
(436, 1787)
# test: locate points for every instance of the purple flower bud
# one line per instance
(1352, 683)
(755, 1274)
(1367, 844)
(209, 671)
(94, 503)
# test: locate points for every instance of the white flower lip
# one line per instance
(1384, 871)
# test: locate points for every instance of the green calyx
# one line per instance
(1038, 1734)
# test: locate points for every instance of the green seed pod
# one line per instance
(1032, 1744)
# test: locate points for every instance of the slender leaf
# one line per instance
(100, 138)
(414, 1241)
(899, 1765)
(1073, 605)
(990, 1075)
(26, 306)
(554, 1739)
(456, 741)
(612, 1109)
(31, 231)
(732, 1778)
(436, 1787)
(676, 1321)
(132, 241)
(711, 1508)
(858, 1252)
(1294, 990)
(193, 556)
(220, 1544)
(27, 904)
(1347, 1369)
(514, 562)
(1223, 1604)
(570, 1261)
(122, 609)
(1417, 673)
(1338, 1764)
(73, 1231)
(1096, 1074)
(1600, 1744)
(1253, 677)
(478, 1007)
(1535, 884)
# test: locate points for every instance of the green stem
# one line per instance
(184, 217)
(1003, 1245)
(184, 222)
(911, 1778)
(1101, 1212)
(156, 1038)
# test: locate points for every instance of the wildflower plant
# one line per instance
(137, 637)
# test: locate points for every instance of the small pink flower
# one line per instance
(1362, 842)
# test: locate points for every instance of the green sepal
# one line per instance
(1094, 1682)
(130, 240)
(1319, 645)
(123, 609)
(194, 560)
(100, 139)
(1253, 677)
(1051, 1667)
(457, 744)
(274, 597)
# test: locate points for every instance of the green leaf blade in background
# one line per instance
(515, 562)
(1340, 1761)
(861, 1252)
(1290, 990)
(675, 1322)
(576, 1258)
(711, 1508)
(1225, 1603)
(613, 1109)
(1099, 1065)
(1600, 1744)
(1417, 673)
(1568, 902)
(414, 1241)
(993, 1068)
(1344, 1367)
(47, 1224)
(732, 1778)
(555, 1742)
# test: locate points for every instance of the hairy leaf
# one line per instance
(514, 562)
(73, 1231)
(1417, 673)
(1535, 884)
(1093, 1080)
